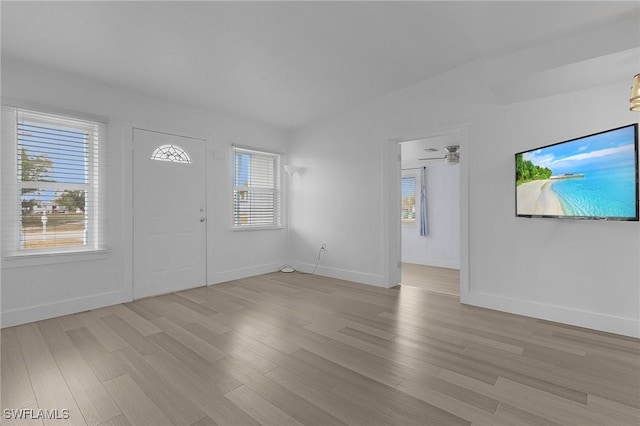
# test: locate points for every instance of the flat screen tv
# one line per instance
(591, 177)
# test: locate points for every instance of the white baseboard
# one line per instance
(236, 274)
(70, 306)
(343, 274)
(592, 320)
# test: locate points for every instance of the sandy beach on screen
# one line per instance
(538, 198)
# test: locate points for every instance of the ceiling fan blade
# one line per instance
(432, 158)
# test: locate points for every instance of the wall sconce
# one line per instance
(634, 101)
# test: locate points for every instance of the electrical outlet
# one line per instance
(323, 246)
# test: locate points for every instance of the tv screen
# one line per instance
(592, 177)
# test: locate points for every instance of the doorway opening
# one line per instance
(430, 249)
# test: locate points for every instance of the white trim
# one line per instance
(235, 146)
(592, 320)
(94, 155)
(47, 109)
(236, 274)
(50, 258)
(258, 228)
(343, 274)
(392, 172)
(166, 290)
(65, 307)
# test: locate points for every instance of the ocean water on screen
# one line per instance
(604, 193)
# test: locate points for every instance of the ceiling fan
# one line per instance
(452, 156)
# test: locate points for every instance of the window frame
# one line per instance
(416, 177)
(276, 190)
(95, 156)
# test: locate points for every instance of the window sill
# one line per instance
(258, 228)
(40, 259)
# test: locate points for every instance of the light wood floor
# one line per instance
(432, 278)
(291, 349)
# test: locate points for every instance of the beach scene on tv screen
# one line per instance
(594, 176)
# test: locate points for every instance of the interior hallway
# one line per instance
(432, 278)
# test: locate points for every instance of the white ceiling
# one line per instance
(290, 63)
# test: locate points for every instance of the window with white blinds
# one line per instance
(256, 189)
(52, 196)
(408, 190)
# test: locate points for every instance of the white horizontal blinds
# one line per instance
(256, 188)
(58, 175)
(408, 191)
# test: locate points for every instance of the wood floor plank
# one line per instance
(475, 399)
(547, 405)
(356, 360)
(36, 355)
(259, 408)
(236, 345)
(139, 323)
(532, 400)
(202, 391)
(92, 398)
(52, 393)
(120, 420)
(103, 363)
(105, 335)
(618, 413)
(453, 405)
(16, 386)
(285, 400)
(405, 408)
(392, 351)
(130, 334)
(137, 407)
(224, 380)
(523, 417)
(173, 311)
(203, 348)
(205, 421)
(179, 409)
(431, 278)
(72, 321)
(324, 399)
(194, 306)
(261, 331)
(305, 349)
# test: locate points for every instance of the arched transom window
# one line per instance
(171, 153)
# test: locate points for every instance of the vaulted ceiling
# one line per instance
(290, 63)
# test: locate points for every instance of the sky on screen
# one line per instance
(601, 151)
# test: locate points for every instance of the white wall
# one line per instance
(580, 273)
(38, 288)
(441, 246)
(346, 195)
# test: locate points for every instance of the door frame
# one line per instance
(392, 233)
(129, 196)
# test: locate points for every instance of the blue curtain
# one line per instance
(424, 229)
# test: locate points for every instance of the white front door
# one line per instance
(169, 220)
